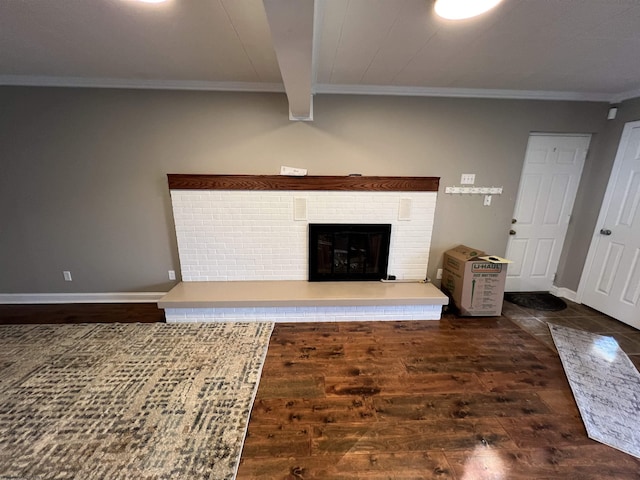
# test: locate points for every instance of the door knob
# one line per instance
(605, 232)
(512, 232)
(513, 220)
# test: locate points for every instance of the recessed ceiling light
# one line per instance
(460, 9)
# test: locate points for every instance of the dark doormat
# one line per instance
(536, 300)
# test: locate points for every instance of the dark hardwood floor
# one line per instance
(81, 313)
(579, 317)
(460, 398)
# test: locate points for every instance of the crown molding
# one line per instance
(461, 92)
(322, 88)
(85, 82)
(625, 96)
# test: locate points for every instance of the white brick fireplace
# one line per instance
(257, 234)
(253, 235)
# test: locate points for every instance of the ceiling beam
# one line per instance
(291, 24)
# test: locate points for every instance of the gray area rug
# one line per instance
(127, 401)
(605, 384)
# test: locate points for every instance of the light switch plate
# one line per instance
(468, 179)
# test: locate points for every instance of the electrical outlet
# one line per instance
(439, 274)
(487, 200)
(67, 276)
(172, 274)
(468, 179)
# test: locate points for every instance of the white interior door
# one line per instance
(611, 278)
(548, 185)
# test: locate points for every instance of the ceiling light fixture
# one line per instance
(461, 9)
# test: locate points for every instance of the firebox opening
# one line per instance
(345, 252)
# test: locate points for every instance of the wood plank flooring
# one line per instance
(80, 313)
(462, 398)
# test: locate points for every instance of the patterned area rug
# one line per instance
(605, 384)
(127, 401)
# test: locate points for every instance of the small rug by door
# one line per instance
(605, 384)
(127, 401)
(536, 300)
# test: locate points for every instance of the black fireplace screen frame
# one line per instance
(348, 252)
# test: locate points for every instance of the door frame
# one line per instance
(604, 207)
(552, 134)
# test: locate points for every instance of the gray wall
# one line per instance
(593, 185)
(83, 171)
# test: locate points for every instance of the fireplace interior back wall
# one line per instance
(348, 252)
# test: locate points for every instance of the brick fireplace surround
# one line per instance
(251, 231)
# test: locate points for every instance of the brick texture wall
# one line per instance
(252, 235)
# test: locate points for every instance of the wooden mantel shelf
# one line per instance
(281, 182)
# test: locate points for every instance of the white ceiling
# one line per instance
(547, 49)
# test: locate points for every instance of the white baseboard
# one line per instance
(114, 297)
(564, 293)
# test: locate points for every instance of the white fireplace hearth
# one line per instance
(302, 301)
